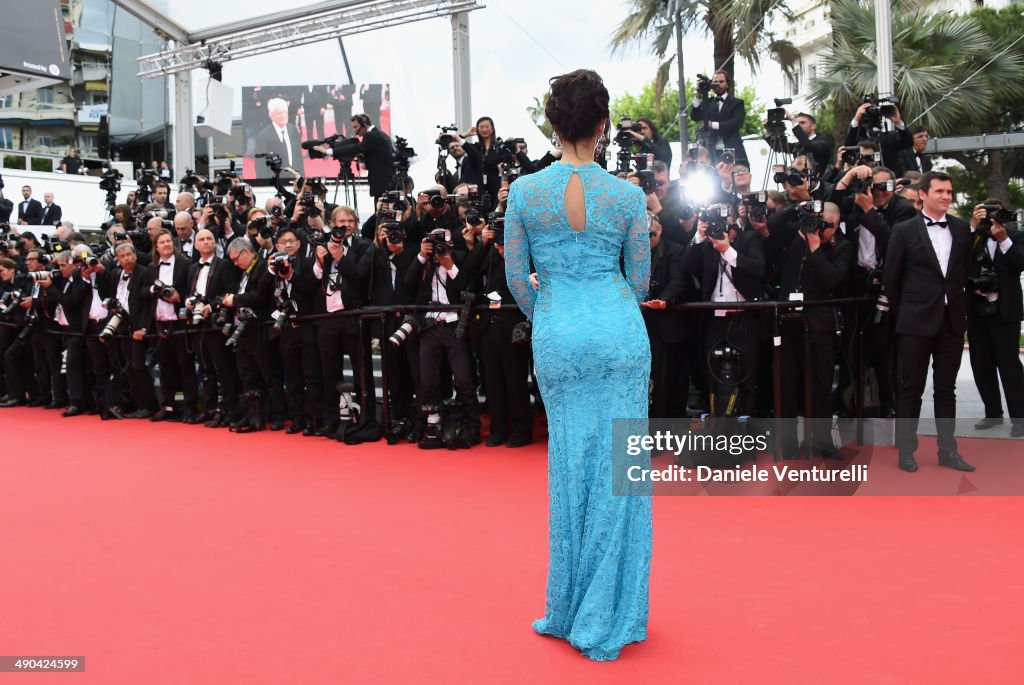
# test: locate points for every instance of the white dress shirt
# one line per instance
(165, 311)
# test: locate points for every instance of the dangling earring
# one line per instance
(556, 141)
(602, 140)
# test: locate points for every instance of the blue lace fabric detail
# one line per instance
(592, 358)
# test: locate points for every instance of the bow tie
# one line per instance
(929, 222)
(202, 264)
(720, 98)
(165, 263)
(125, 277)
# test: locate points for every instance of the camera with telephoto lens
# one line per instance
(197, 302)
(626, 126)
(880, 108)
(39, 276)
(222, 318)
(994, 211)
(262, 227)
(757, 205)
(9, 301)
(396, 200)
(496, 220)
(445, 138)
(245, 317)
(791, 175)
(703, 86)
(408, 328)
(717, 219)
(403, 155)
(116, 311)
(280, 264)
(285, 311)
(393, 232)
(435, 199)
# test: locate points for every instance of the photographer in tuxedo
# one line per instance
(813, 268)
(72, 294)
(925, 278)
(210, 278)
(723, 116)
(384, 267)
(169, 273)
(252, 302)
(994, 314)
(132, 284)
(666, 330)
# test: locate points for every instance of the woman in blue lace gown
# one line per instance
(592, 358)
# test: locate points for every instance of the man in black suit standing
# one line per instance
(723, 116)
(821, 146)
(281, 136)
(30, 212)
(993, 319)
(377, 151)
(468, 166)
(132, 286)
(51, 212)
(925, 277)
(914, 158)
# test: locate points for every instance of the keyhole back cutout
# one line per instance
(575, 203)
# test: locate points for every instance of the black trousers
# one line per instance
(507, 369)
(46, 357)
(797, 354)
(177, 366)
(259, 369)
(669, 365)
(18, 366)
(133, 362)
(303, 377)
(738, 330)
(945, 348)
(99, 359)
(439, 342)
(337, 338)
(995, 356)
(75, 369)
(7, 338)
(218, 372)
(402, 365)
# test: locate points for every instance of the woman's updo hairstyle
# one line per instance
(577, 104)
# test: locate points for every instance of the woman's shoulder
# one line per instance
(629, 191)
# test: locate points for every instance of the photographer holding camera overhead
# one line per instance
(650, 140)
(487, 149)
(723, 115)
(868, 123)
(995, 312)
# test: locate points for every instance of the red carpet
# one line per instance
(179, 554)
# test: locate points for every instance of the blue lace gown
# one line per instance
(592, 357)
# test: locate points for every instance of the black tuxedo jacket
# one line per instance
(353, 285)
(376, 260)
(667, 283)
(419, 279)
(470, 171)
(223, 278)
(74, 296)
(704, 261)
(913, 278)
(140, 299)
(817, 275)
(267, 141)
(378, 158)
(484, 272)
(822, 147)
(51, 216)
(891, 142)
(179, 281)
(1008, 267)
(879, 222)
(730, 121)
(305, 288)
(259, 291)
(906, 160)
(31, 211)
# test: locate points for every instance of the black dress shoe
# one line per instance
(37, 403)
(192, 418)
(141, 414)
(519, 441)
(954, 461)
(161, 415)
(115, 412)
(293, 428)
(988, 422)
(311, 430)
(277, 425)
(12, 403)
(1017, 431)
(908, 463)
(72, 410)
(495, 440)
(328, 431)
(55, 405)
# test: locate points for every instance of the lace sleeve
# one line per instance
(517, 253)
(637, 248)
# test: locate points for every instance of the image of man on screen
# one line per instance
(281, 136)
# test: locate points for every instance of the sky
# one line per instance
(515, 47)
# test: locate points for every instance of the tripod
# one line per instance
(346, 180)
(781, 152)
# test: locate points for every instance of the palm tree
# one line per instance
(948, 73)
(736, 26)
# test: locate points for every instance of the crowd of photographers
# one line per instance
(249, 312)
